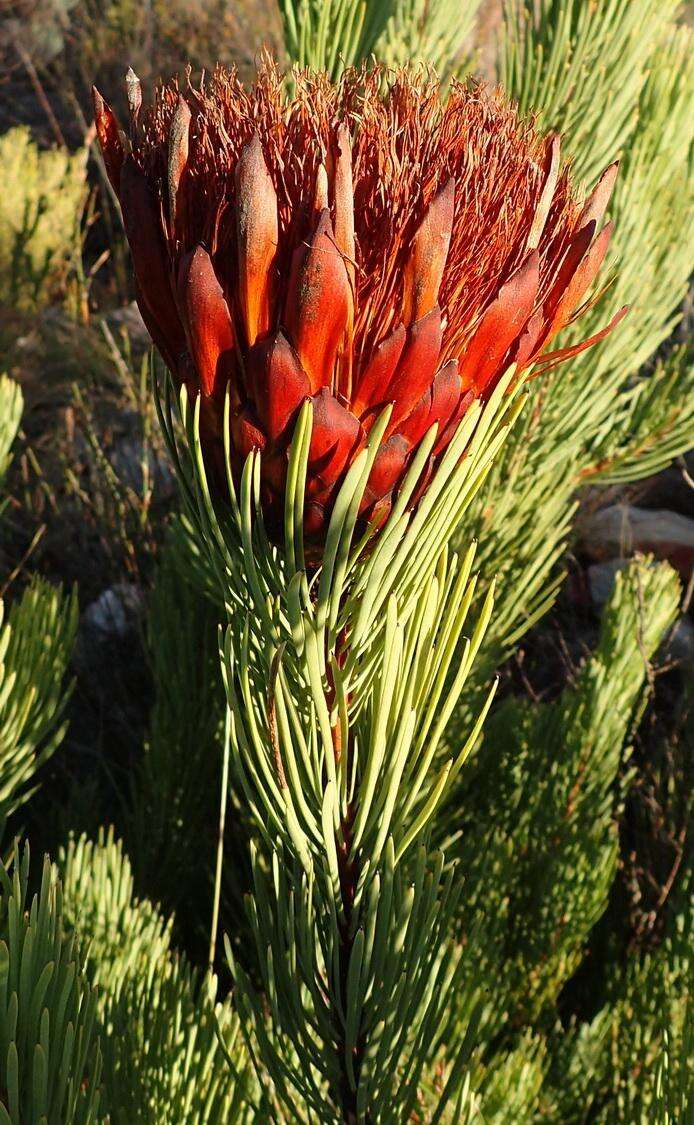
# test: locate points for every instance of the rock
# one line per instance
(601, 578)
(116, 611)
(110, 666)
(679, 645)
(669, 489)
(126, 457)
(622, 529)
(129, 320)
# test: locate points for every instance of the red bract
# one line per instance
(357, 244)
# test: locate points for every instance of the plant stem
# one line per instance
(349, 876)
(220, 840)
(26, 60)
(349, 872)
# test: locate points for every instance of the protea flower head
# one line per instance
(357, 244)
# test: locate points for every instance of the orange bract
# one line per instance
(357, 244)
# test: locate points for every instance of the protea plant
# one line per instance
(347, 280)
(359, 245)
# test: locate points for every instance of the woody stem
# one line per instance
(349, 877)
(348, 868)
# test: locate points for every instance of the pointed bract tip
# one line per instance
(134, 92)
(324, 226)
(554, 156)
(181, 121)
(178, 153)
(447, 189)
(321, 190)
(251, 158)
(253, 145)
(596, 203)
(610, 174)
(111, 141)
(98, 102)
(444, 202)
(344, 136)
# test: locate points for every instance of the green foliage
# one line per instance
(175, 791)
(36, 643)
(11, 406)
(582, 67)
(632, 1063)
(332, 34)
(41, 206)
(123, 937)
(419, 31)
(50, 1062)
(536, 817)
(164, 1037)
(35, 647)
(580, 1064)
(501, 1089)
(652, 424)
(534, 832)
(558, 894)
(652, 210)
(509, 1085)
(650, 1021)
